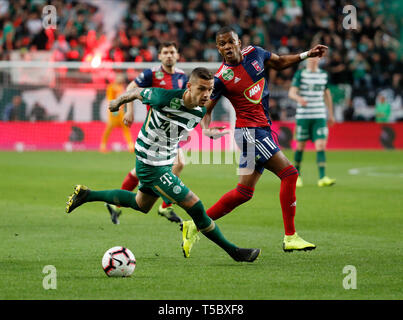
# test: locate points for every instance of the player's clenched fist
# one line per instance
(128, 119)
(317, 51)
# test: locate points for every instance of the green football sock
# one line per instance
(117, 197)
(207, 226)
(298, 159)
(321, 161)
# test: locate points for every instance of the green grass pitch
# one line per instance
(357, 222)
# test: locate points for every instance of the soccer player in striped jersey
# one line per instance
(309, 88)
(242, 78)
(165, 76)
(172, 115)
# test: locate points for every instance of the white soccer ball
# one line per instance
(118, 262)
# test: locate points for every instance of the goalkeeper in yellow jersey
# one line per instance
(115, 119)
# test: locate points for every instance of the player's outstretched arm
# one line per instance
(213, 132)
(282, 62)
(131, 86)
(129, 114)
(205, 122)
(126, 97)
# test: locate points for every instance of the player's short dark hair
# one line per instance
(224, 30)
(167, 44)
(201, 73)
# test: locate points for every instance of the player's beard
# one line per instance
(169, 63)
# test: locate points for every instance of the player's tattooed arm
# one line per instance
(128, 118)
(126, 97)
(283, 62)
(131, 86)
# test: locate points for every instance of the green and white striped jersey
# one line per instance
(167, 122)
(312, 86)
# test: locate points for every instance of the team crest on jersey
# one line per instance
(180, 83)
(159, 75)
(228, 74)
(256, 65)
(255, 91)
(175, 103)
(177, 189)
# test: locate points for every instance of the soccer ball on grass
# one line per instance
(118, 262)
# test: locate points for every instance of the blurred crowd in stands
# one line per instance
(368, 58)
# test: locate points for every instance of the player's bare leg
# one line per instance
(324, 181)
(145, 201)
(250, 180)
(288, 174)
(277, 163)
(165, 209)
(131, 181)
(320, 144)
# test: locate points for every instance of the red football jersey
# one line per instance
(246, 87)
(159, 78)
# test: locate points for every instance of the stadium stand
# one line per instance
(363, 64)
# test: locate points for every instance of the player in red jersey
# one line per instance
(166, 76)
(242, 78)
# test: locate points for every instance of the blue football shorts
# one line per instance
(257, 147)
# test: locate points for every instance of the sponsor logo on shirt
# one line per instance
(255, 91)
